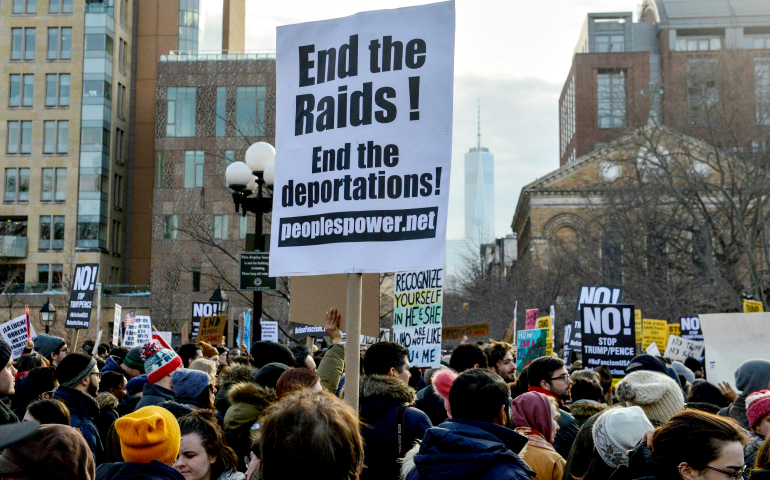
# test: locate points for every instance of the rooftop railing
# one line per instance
(217, 56)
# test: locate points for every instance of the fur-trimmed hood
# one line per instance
(248, 401)
(586, 408)
(106, 400)
(232, 374)
(388, 387)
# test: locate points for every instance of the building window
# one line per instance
(52, 232)
(119, 136)
(25, 6)
(196, 280)
(220, 227)
(243, 227)
(698, 44)
(180, 121)
(23, 44)
(57, 90)
(60, 6)
(189, 11)
(169, 227)
(19, 137)
(123, 12)
(115, 246)
(193, 168)
(229, 158)
(762, 89)
(121, 100)
(250, 111)
(54, 186)
(160, 170)
(95, 136)
(758, 42)
(702, 89)
(97, 88)
(16, 185)
(221, 111)
(117, 190)
(50, 275)
(56, 136)
(611, 98)
(21, 91)
(122, 50)
(60, 43)
(610, 43)
(567, 116)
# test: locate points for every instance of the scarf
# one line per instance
(546, 392)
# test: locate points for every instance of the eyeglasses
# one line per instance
(98, 375)
(736, 475)
(564, 378)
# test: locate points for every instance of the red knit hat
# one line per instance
(159, 362)
(757, 406)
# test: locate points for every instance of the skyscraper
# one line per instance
(479, 193)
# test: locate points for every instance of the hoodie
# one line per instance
(113, 365)
(229, 376)
(466, 449)
(248, 401)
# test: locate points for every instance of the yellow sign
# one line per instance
(673, 329)
(638, 325)
(654, 331)
(752, 306)
(546, 322)
(211, 329)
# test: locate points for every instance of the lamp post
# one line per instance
(220, 298)
(47, 315)
(244, 178)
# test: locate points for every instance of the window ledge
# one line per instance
(56, 107)
(15, 202)
(20, 107)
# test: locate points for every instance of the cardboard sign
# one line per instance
(680, 349)
(752, 306)
(269, 331)
(201, 309)
(470, 331)
(690, 328)
(418, 300)
(547, 323)
(363, 142)
(731, 339)
(596, 295)
(312, 297)
(116, 325)
(82, 296)
(138, 332)
(212, 329)
(654, 331)
(609, 337)
(530, 345)
(530, 319)
(15, 334)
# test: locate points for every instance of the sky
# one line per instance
(512, 57)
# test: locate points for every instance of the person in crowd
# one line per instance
(548, 375)
(55, 451)
(271, 352)
(190, 352)
(48, 412)
(193, 388)
(39, 384)
(112, 389)
(232, 353)
(586, 374)
(54, 349)
(113, 383)
(207, 366)
(467, 356)
(132, 365)
(78, 385)
(385, 407)
(120, 352)
(587, 398)
(429, 401)
(297, 379)
(149, 444)
(332, 365)
(27, 362)
(248, 401)
(696, 367)
(500, 360)
(605, 380)
(536, 418)
(159, 363)
(134, 392)
(475, 442)
(702, 392)
(268, 375)
(309, 433)
(752, 376)
(229, 376)
(222, 357)
(209, 352)
(203, 452)
(576, 366)
(683, 373)
(691, 445)
(758, 415)
(760, 469)
(522, 383)
(302, 358)
(616, 432)
(656, 393)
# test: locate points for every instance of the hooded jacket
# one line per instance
(229, 376)
(108, 413)
(331, 368)
(582, 410)
(468, 450)
(248, 401)
(154, 470)
(379, 400)
(83, 415)
(113, 365)
(154, 395)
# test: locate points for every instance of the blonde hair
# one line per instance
(205, 365)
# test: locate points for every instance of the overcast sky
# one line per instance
(513, 56)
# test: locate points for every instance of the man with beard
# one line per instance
(79, 379)
(501, 361)
(549, 376)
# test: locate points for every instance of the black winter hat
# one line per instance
(268, 375)
(647, 362)
(693, 364)
(74, 369)
(5, 353)
(271, 352)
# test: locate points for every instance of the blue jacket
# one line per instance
(154, 395)
(113, 365)
(470, 450)
(154, 470)
(83, 413)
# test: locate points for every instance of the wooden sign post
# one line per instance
(353, 340)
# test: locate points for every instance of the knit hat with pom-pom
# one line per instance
(442, 383)
(656, 393)
(159, 362)
(757, 406)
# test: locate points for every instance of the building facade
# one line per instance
(479, 195)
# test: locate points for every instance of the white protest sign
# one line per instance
(418, 303)
(138, 332)
(363, 142)
(731, 339)
(96, 343)
(116, 325)
(163, 339)
(652, 349)
(269, 331)
(14, 332)
(680, 349)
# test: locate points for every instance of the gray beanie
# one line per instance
(752, 376)
(188, 383)
(617, 431)
(46, 344)
(680, 369)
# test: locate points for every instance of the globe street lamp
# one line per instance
(48, 315)
(247, 179)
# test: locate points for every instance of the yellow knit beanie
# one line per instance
(150, 433)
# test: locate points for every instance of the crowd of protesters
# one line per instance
(207, 412)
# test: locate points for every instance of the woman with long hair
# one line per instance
(203, 452)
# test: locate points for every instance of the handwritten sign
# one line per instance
(14, 332)
(530, 345)
(211, 329)
(680, 349)
(418, 302)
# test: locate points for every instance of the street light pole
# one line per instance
(256, 312)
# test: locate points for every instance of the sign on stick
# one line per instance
(82, 296)
(609, 337)
(417, 315)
